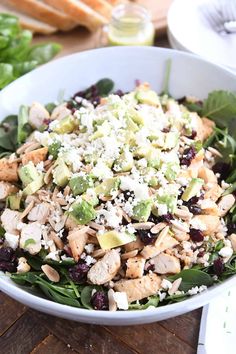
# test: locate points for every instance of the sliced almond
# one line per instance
(175, 286)
(96, 226)
(158, 227)
(130, 254)
(53, 236)
(98, 253)
(51, 273)
(143, 225)
(180, 225)
(32, 146)
(27, 209)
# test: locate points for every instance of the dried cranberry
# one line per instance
(153, 218)
(231, 228)
(150, 267)
(223, 169)
(195, 209)
(7, 254)
(128, 194)
(201, 254)
(99, 301)
(146, 236)
(78, 273)
(193, 135)
(218, 266)
(119, 93)
(167, 217)
(188, 156)
(196, 235)
(165, 130)
(8, 266)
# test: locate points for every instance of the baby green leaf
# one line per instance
(192, 278)
(42, 53)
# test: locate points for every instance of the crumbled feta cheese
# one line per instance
(195, 290)
(89, 248)
(166, 284)
(11, 240)
(226, 252)
(121, 300)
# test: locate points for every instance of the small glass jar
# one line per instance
(130, 25)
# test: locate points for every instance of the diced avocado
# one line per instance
(149, 176)
(28, 173)
(171, 140)
(131, 126)
(192, 189)
(90, 197)
(34, 186)
(171, 170)
(114, 238)
(80, 184)
(170, 201)
(102, 130)
(142, 210)
(108, 186)
(158, 141)
(82, 212)
(141, 151)
(125, 162)
(14, 200)
(65, 126)
(148, 96)
(153, 158)
(136, 116)
(61, 173)
(53, 149)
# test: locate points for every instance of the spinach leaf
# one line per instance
(192, 278)
(152, 301)
(2, 232)
(9, 25)
(6, 74)
(18, 48)
(86, 295)
(165, 90)
(54, 295)
(104, 86)
(8, 134)
(22, 278)
(24, 67)
(23, 130)
(42, 53)
(220, 106)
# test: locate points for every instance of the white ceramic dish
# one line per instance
(189, 30)
(189, 75)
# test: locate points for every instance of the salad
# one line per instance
(119, 201)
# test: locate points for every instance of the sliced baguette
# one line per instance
(100, 6)
(80, 12)
(28, 22)
(43, 12)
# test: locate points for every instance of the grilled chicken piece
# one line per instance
(105, 269)
(209, 223)
(204, 127)
(135, 267)
(39, 213)
(6, 189)
(207, 175)
(165, 264)
(77, 238)
(225, 204)
(8, 171)
(209, 207)
(10, 219)
(60, 112)
(137, 289)
(31, 233)
(37, 115)
(163, 242)
(35, 156)
(214, 193)
(134, 245)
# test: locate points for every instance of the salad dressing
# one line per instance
(130, 25)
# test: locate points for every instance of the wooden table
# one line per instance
(24, 331)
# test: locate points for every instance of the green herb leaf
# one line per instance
(86, 295)
(152, 301)
(6, 74)
(28, 242)
(42, 53)
(220, 106)
(23, 127)
(104, 86)
(192, 278)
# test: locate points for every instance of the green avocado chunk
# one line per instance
(82, 212)
(34, 186)
(14, 200)
(142, 210)
(114, 238)
(192, 189)
(80, 184)
(61, 173)
(108, 186)
(28, 173)
(148, 96)
(65, 126)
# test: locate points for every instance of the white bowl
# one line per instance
(190, 75)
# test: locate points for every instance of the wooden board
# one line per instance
(80, 39)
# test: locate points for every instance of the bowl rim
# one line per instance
(152, 314)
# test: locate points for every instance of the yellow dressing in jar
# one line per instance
(130, 25)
